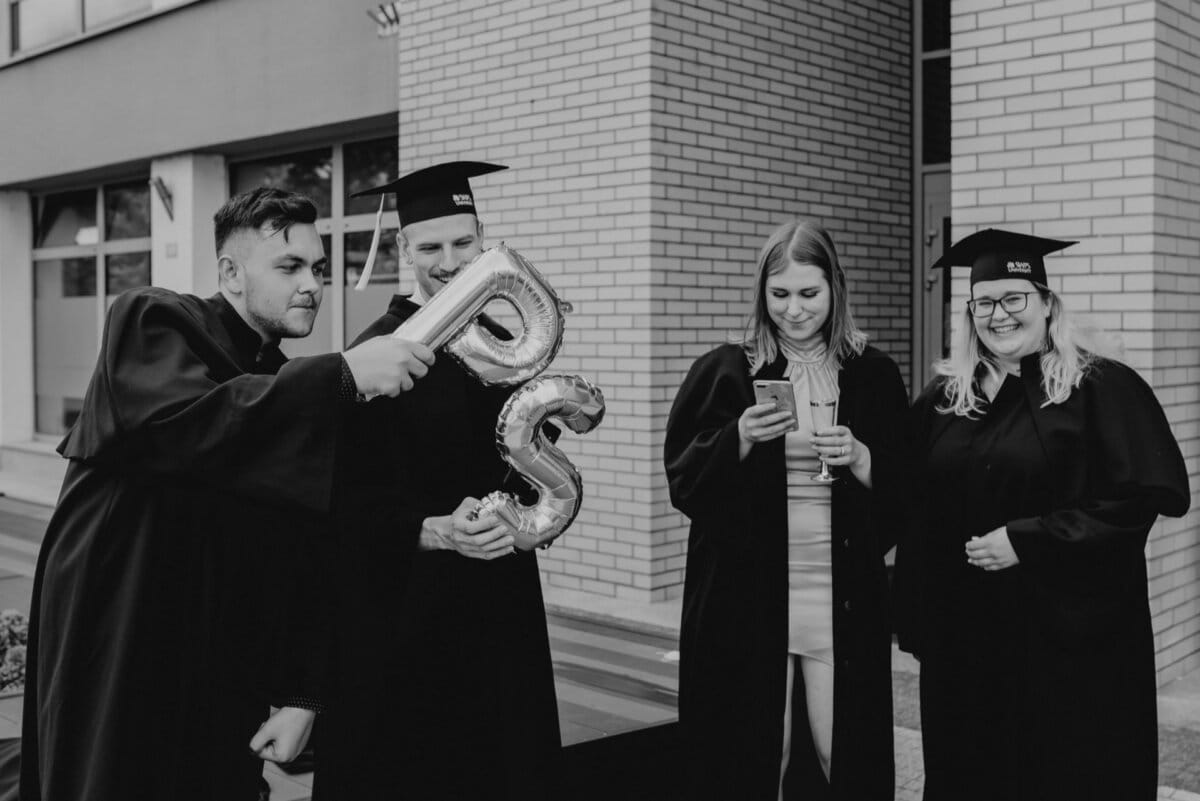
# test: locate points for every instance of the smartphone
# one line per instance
(781, 394)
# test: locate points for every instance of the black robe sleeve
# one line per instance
(513, 482)
(406, 520)
(166, 395)
(885, 404)
(1136, 470)
(909, 574)
(701, 449)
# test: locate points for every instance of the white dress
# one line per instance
(810, 575)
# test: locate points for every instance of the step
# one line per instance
(31, 472)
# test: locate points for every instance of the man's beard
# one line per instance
(278, 327)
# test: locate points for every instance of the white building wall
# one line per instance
(182, 255)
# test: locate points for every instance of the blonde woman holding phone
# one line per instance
(785, 675)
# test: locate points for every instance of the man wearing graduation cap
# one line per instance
(1041, 467)
(442, 684)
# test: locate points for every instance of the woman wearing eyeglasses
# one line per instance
(1042, 466)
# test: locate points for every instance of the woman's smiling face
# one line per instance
(1011, 336)
(798, 303)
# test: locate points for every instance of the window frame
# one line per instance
(11, 15)
(921, 171)
(10, 55)
(98, 251)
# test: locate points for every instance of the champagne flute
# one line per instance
(824, 415)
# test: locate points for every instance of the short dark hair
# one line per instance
(258, 207)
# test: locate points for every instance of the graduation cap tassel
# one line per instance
(365, 277)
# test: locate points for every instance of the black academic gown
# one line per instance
(1038, 682)
(734, 638)
(165, 579)
(443, 686)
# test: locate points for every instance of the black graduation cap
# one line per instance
(436, 191)
(993, 254)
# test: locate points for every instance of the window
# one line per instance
(328, 176)
(90, 245)
(309, 173)
(98, 12)
(369, 164)
(935, 131)
(68, 218)
(38, 22)
(363, 308)
(41, 22)
(935, 81)
(931, 182)
(126, 211)
(935, 25)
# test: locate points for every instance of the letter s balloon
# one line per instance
(579, 405)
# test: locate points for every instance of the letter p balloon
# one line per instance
(448, 319)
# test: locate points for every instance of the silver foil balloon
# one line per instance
(449, 318)
(576, 403)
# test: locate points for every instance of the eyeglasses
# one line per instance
(1012, 303)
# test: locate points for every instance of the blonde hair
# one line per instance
(801, 242)
(1070, 350)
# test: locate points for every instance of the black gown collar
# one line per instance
(1031, 367)
(1031, 380)
(401, 306)
(249, 351)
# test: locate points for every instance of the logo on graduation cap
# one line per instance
(994, 254)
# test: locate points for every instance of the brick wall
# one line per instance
(1070, 119)
(560, 91)
(653, 147)
(1175, 360)
(764, 112)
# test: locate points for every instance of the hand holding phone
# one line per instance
(781, 394)
(772, 415)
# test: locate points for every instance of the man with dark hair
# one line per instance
(256, 207)
(201, 457)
